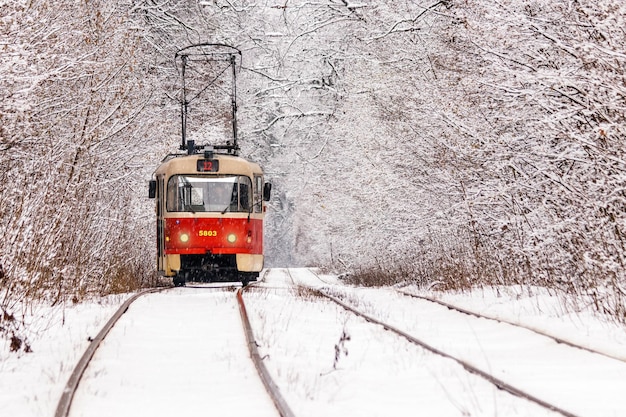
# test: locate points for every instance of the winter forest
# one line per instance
(453, 143)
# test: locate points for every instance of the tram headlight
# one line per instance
(184, 237)
(232, 238)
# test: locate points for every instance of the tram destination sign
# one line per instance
(208, 165)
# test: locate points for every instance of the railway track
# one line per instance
(558, 339)
(298, 316)
(499, 383)
(450, 306)
(570, 360)
(170, 351)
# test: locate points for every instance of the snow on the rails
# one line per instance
(572, 379)
(181, 352)
(536, 308)
(331, 363)
(327, 361)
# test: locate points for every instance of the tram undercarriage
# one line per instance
(211, 268)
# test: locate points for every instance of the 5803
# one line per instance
(207, 233)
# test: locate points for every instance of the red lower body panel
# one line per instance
(217, 236)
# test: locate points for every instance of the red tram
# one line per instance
(210, 209)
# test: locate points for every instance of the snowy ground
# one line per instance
(31, 384)
(180, 347)
(326, 361)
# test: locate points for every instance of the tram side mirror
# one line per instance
(267, 191)
(152, 185)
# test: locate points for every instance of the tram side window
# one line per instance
(241, 198)
(172, 203)
(258, 193)
(244, 194)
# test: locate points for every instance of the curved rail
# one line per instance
(65, 402)
(535, 330)
(63, 407)
(467, 366)
(511, 323)
(270, 386)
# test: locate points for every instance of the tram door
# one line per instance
(160, 195)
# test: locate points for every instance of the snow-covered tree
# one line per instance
(477, 142)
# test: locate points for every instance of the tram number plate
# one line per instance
(208, 165)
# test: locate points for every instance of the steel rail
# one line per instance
(467, 366)
(511, 323)
(65, 402)
(504, 321)
(272, 389)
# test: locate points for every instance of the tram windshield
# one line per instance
(209, 194)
